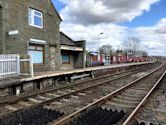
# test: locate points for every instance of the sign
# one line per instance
(63, 47)
(14, 32)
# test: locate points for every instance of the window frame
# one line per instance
(32, 15)
(68, 57)
(43, 51)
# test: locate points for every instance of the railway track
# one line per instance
(78, 85)
(23, 95)
(81, 83)
(123, 101)
(54, 96)
(152, 109)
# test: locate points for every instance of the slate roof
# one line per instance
(65, 40)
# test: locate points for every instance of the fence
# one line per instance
(13, 65)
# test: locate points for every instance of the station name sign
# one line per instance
(14, 32)
(63, 47)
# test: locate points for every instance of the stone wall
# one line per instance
(2, 29)
(1, 45)
(80, 56)
(16, 18)
(78, 59)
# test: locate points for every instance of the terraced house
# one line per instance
(31, 27)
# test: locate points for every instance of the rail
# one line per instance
(15, 100)
(128, 120)
(118, 76)
(101, 100)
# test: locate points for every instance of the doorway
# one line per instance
(107, 59)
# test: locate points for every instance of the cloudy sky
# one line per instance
(117, 20)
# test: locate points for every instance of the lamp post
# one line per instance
(99, 46)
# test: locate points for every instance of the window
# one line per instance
(35, 18)
(37, 53)
(65, 58)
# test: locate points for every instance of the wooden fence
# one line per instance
(14, 65)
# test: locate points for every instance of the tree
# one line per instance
(131, 45)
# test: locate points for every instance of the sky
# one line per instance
(112, 22)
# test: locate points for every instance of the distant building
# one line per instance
(72, 52)
(105, 54)
(92, 59)
(31, 27)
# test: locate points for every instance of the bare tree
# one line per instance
(144, 53)
(131, 45)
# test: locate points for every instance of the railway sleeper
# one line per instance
(128, 98)
(127, 102)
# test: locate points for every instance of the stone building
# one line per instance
(72, 52)
(31, 27)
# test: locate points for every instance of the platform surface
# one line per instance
(39, 75)
(47, 74)
(70, 71)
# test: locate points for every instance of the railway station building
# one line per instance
(72, 52)
(32, 27)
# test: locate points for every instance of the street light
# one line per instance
(99, 46)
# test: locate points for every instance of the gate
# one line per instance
(10, 65)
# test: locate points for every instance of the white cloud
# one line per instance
(112, 34)
(154, 38)
(153, 41)
(103, 11)
(85, 19)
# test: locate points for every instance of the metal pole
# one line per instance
(98, 50)
(31, 66)
(99, 46)
(18, 64)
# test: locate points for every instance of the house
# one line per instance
(31, 27)
(72, 52)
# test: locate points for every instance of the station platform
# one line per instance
(71, 71)
(49, 74)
